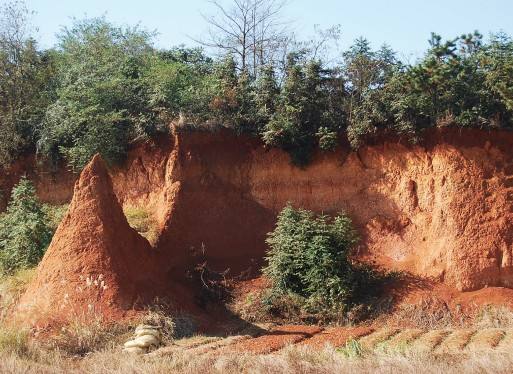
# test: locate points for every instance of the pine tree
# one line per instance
(24, 230)
(246, 111)
(266, 96)
(224, 103)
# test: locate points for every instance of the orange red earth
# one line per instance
(440, 211)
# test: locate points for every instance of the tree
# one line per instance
(224, 103)
(367, 74)
(497, 58)
(249, 30)
(366, 69)
(103, 99)
(25, 82)
(245, 117)
(181, 84)
(309, 110)
(24, 230)
(267, 92)
(287, 128)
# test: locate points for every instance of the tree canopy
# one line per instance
(104, 87)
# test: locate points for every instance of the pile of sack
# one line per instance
(146, 338)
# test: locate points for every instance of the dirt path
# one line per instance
(448, 341)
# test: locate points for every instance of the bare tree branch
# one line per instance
(248, 29)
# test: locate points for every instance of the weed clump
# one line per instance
(15, 341)
(352, 349)
(11, 289)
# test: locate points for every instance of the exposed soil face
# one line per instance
(53, 186)
(441, 210)
(214, 216)
(143, 179)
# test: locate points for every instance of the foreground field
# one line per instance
(294, 349)
(291, 360)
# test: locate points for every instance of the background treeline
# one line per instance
(103, 87)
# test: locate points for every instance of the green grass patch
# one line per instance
(13, 340)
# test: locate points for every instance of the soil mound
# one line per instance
(96, 264)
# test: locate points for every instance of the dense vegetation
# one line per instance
(309, 264)
(25, 230)
(103, 87)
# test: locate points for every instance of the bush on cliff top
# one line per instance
(104, 87)
(308, 260)
(24, 230)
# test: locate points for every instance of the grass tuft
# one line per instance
(14, 341)
(352, 349)
(11, 289)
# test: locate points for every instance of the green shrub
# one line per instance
(327, 139)
(352, 349)
(55, 214)
(309, 258)
(103, 95)
(24, 230)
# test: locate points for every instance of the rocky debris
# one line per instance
(146, 338)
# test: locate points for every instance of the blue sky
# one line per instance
(405, 25)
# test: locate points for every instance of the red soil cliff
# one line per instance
(442, 209)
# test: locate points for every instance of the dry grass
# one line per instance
(428, 314)
(456, 341)
(11, 289)
(14, 341)
(79, 338)
(143, 222)
(82, 337)
(95, 347)
(486, 338)
(402, 341)
(507, 341)
(494, 317)
(369, 342)
(430, 340)
(290, 360)
(251, 307)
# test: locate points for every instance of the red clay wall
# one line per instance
(443, 209)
